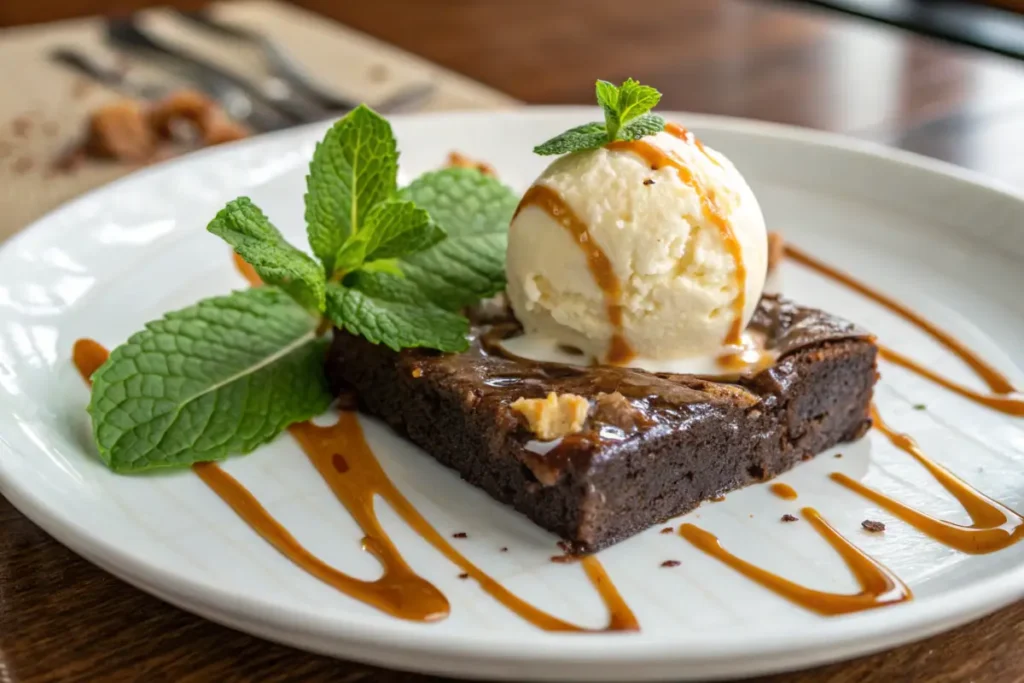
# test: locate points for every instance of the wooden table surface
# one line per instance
(61, 619)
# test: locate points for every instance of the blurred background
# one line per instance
(91, 90)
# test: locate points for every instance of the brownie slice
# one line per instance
(653, 446)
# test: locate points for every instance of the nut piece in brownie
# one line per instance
(649, 447)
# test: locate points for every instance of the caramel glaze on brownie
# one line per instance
(653, 446)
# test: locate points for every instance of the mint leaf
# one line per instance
(626, 117)
(390, 310)
(393, 228)
(242, 225)
(608, 97)
(353, 168)
(220, 377)
(636, 100)
(648, 124)
(475, 211)
(587, 136)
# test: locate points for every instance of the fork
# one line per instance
(241, 99)
(288, 72)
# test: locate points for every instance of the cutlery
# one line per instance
(288, 70)
(240, 99)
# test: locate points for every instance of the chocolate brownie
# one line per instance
(652, 446)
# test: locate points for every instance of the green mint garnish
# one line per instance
(390, 310)
(626, 117)
(242, 225)
(393, 228)
(353, 168)
(475, 210)
(232, 372)
(220, 377)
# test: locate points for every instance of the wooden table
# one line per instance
(62, 619)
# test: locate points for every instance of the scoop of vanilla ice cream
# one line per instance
(676, 275)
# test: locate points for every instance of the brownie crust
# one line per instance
(654, 445)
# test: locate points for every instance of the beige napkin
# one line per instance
(43, 105)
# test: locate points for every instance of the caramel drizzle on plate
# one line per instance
(879, 586)
(345, 460)
(783, 490)
(994, 526)
(996, 381)
(709, 204)
(549, 201)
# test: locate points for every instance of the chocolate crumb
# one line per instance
(920, 406)
(463, 575)
(872, 526)
(504, 550)
(21, 126)
(460, 534)
(838, 455)
(22, 165)
(717, 499)
(670, 563)
(649, 181)
(790, 518)
(565, 559)
(667, 530)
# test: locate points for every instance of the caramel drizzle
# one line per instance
(1010, 405)
(345, 460)
(784, 491)
(657, 159)
(996, 381)
(994, 526)
(879, 586)
(679, 131)
(399, 592)
(549, 201)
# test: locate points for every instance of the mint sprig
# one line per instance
(232, 372)
(626, 117)
(220, 377)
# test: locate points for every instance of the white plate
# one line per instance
(944, 241)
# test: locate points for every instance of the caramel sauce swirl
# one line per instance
(993, 525)
(879, 586)
(712, 212)
(549, 201)
(399, 592)
(344, 459)
(996, 381)
(1010, 405)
